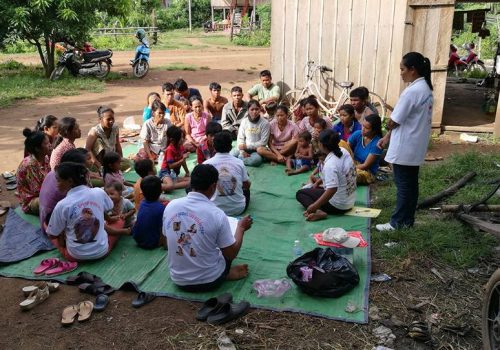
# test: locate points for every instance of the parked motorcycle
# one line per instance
(140, 64)
(96, 63)
(208, 27)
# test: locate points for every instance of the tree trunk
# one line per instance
(42, 57)
(49, 49)
(427, 202)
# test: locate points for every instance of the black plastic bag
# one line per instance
(339, 275)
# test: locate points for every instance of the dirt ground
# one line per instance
(414, 294)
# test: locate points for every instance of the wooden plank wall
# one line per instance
(362, 40)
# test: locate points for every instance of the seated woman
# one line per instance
(76, 226)
(32, 170)
(147, 113)
(348, 123)
(50, 127)
(338, 194)
(104, 137)
(69, 131)
(195, 125)
(311, 110)
(154, 133)
(366, 152)
(282, 137)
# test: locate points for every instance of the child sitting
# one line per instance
(303, 156)
(174, 159)
(205, 149)
(270, 109)
(316, 178)
(143, 168)
(111, 163)
(148, 112)
(319, 126)
(123, 209)
(147, 230)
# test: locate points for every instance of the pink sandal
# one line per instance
(45, 265)
(62, 267)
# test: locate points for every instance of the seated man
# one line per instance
(233, 188)
(214, 104)
(199, 238)
(253, 133)
(359, 98)
(265, 92)
(234, 112)
(182, 90)
(176, 108)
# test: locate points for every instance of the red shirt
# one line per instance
(172, 154)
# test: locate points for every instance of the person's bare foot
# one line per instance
(237, 272)
(317, 215)
(287, 170)
(273, 163)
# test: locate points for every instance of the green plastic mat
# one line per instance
(267, 249)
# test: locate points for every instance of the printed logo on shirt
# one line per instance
(86, 227)
(185, 225)
(226, 186)
(351, 181)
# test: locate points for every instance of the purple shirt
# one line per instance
(49, 197)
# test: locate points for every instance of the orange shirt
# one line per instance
(177, 113)
(138, 196)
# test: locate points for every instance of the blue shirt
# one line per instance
(361, 152)
(148, 113)
(148, 226)
(339, 127)
(192, 92)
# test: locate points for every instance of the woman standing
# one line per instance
(339, 193)
(409, 132)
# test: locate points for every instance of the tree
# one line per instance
(176, 16)
(43, 23)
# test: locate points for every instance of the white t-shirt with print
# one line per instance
(196, 231)
(155, 134)
(413, 113)
(80, 215)
(340, 173)
(232, 173)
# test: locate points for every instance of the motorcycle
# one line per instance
(208, 27)
(96, 63)
(140, 64)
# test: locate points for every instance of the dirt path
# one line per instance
(227, 65)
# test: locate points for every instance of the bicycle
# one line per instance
(328, 107)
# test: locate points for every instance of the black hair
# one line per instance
(180, 85)
(358, 92)
(45, 122)
(33, 141)
(223, 141)
(167, 87)
(203, 176)
(158, 105)
(151, 188)
(330, 140)
(103, 109)
(306, 135)
(144, 167)
(152, 94)
(174, 134)
(271, 106)
(212, 128)
(74, 171)
(66, 127)
(214, 86)
(283, 108)
(115, 185)
(74, 155)
(265, 73)
(321, 122)
(108, 159)
(253, 103)
(421, 64)
(349, 109)
(376, 123)
(311, 100)
(236, 89)
(195, 98)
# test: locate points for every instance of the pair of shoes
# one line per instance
(143, 298)
(385, 227)
(82, 277)
(54, 267)
(83, 310)
(53, 287)
(37, 296)
(220, 310)
(96, 288)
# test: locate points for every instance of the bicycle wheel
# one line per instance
(103, 69)
(476, 70)
(57, 72)
(490, 318)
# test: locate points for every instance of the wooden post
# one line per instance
(189, 11)
(212, 10)
(153, 22)
(496, 124)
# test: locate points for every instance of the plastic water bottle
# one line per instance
(160, 158)
(297, 249)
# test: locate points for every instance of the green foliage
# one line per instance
(177, 16)
(435, 235)
(259, 37)
(488, 45)
(18, 81)
(177, 66)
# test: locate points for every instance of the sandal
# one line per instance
(53, 287)
(11, 187)
(82, 277)
(8, 174)
(213, 304)
(61, 268)
(101, 301)
(45, 265)
(96, 288)
(36, 297)
(142, 299)
(85, 310)
(228, 312)
(69, 314)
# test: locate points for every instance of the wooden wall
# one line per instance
(362, 40)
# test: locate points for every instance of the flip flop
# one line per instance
(212, 305)
(69, 314)
(11, 187)
(8, 174)
(142, 299)
(61, 268)
(96, 288)
(82, 277)
(101, 301)
(53, 287)
(36, 297)
(45, 265)
(229, 312)
(85, 310)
